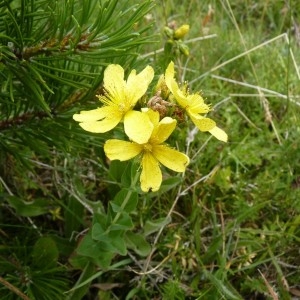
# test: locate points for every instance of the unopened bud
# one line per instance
(181, 31)
(162, 88)
(184, 49)
(168, 32)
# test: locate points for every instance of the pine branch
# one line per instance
(21, 119)
(52, 57)
(13, 289)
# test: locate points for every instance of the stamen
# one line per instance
(148, 147)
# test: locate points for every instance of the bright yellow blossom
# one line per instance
(120, 98)
(194, 105)
(147, 142)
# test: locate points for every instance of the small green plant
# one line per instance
(33, 274)
(171, 290)
(112, 230)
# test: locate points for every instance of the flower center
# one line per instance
(121, 107)
(147, 147)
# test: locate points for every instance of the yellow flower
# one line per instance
(194, 105)
(147, 142)
(120, 97)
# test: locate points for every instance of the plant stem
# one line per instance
(133, 184)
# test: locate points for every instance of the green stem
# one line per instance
(128, 195)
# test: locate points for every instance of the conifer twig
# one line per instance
(13, 289)
(21, 119)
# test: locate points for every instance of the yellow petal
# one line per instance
(196, 104)
(203, 124)
(163, 130)
(181, 99)
(91, 115)
(151, 176)
(100, 126)
(121, 150)
(114, 82)
(171, 83)
(219, 134)
(137, 126)
(111, 118)
(137, 85)
(170, 158)
(153, 115)
(169, 76)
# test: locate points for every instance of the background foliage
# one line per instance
(74, 226)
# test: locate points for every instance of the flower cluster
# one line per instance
(149, 128)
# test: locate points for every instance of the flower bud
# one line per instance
(168, 32)
(161, 87)
(181, 31)
(184, 49)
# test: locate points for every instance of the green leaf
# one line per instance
(137, 243)
(28, 209)
(117, 241)
(14, 24)
(79, 293)
(132, 293)
(154, 226)
(170, 183)
(73, 216)
(212, 250)
(129, 206)
(64, 245)
(101, 252)
(30, 84)
(115, 266)
(98, 232)
(38, 77)
(111, 241)
(167, 185)
(126, 176)
(223, 286)
(79, 261)
(45, 253)
(124, 222)
(100, 218)
(116, 169)
(89, 247)
(102, 261)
